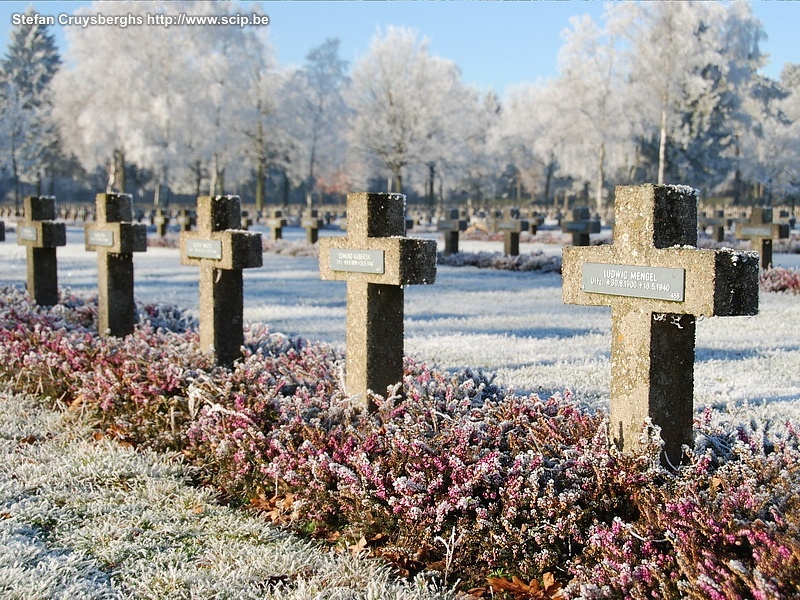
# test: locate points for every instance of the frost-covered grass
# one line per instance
(88, 518)
(459, 456)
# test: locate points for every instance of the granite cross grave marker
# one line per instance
(276, 223)
(451, 228)
(41, 236)
(581, 226)
(312, 224)
(717, 223)
(760, 230)
(115, 238)
(221, 251)
(376, 260)
(657, 282)
(511, 228)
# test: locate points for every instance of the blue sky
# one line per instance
(495, 44)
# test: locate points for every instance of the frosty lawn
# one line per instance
(534, 476)
(511, 324)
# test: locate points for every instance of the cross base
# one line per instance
(42, 275)
(116, 307)
(374, 338)
(652, 377)
(221, 313)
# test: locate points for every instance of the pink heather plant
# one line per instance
(528, 485)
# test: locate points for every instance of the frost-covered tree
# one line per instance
(29, 141)
(528, 137)
(319, 114)
(590, 97)
(174, 100)
(406, 103)
(668, 51)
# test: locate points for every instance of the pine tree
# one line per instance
(29, 141)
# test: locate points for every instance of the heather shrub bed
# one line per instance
(779, 279)
(452, 473)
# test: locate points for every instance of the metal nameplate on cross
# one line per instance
(657, 282)
(376, 260)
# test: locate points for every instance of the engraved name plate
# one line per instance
(357, 261)
(755, 231)
(204, 249)
(659, 283)
(101, 237)
(27, 233)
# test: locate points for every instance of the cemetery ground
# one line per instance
(463, 477)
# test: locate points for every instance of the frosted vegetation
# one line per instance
(88, 518)
(666, 92)
(425, 482)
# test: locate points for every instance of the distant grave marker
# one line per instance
(115, 238)
(221, 251)
(580, 226)
(760, 230)
(717, 222)
(312, 224)
(451, 227)
(376, 260)
(160, 220)
(511, 228)
(657, 282)
(276, 223)
(186, 219)
(2, 231)
(41, 235)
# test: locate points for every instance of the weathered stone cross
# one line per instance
(511, 229)
(221, 251)
(376, 260)
(41, 236)
(656, 282)
(760, 230)
(581, 226)
(451, 228)
(312, 224)
(717, 222)
(115, 238)
(276, 223)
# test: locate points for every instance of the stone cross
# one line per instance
(760, 230)
(451, 228)
(41, 236)
(276, 223)
(185, 219)
(160, 220)
(717, 222)
(581, 226)
(247, 220)
(221, 251)
(312, 223)
(657, 282)
(511, 229)
(115, 238)
(376, 260)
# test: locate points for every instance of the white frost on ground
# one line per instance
(509, 323)
(92, 520)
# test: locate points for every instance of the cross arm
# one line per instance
(117, 238)
(716, 282)
(238, 249)
(405, 261)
